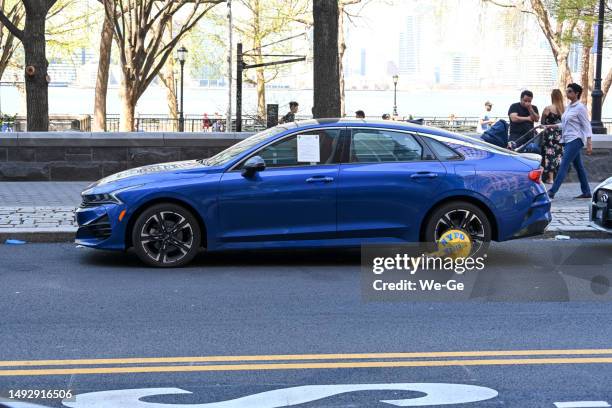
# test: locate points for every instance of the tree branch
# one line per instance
(10, 26)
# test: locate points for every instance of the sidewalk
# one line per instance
(44, 211)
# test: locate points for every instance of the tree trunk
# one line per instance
(37, 86)
(260, 78)
(590, 83)
(128, 107)
(168, 80)
(564, 74)
(326, 67)
(261, 93)
(106, 42)
(605, 86)
(585, 60)
(341, 51)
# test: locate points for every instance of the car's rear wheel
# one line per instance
(463, 216)
(166, 235)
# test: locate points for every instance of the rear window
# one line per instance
(442, 151)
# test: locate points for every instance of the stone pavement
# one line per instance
(44, 211)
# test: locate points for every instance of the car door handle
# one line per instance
(424, 174)
(319, 179)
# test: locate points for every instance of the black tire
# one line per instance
(171, 243)
(463, 216)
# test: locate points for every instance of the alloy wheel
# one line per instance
(167, 237)
(464, 220)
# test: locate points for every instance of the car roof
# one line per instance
(389, 124)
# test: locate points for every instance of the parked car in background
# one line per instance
(318, 183)
(601, 207)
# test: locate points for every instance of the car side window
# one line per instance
(372, 146)
(309, 148)
(442, 151)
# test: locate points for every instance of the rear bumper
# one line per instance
(536, 219)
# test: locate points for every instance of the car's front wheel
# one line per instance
(463, 216)
(166, 235)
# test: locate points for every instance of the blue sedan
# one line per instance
(320, 183)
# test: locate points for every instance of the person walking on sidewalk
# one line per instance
(552, 151)
(576, 132)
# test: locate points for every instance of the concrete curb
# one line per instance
(576, 234)
(39, 235)
(66, 235)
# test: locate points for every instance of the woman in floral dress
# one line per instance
(552, 150)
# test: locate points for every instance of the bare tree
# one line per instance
(106, 43)
(139, 29)
(264, 22)
(32, 36)
(564, 22)
(167, 78)
(7, 39)
(345, 14)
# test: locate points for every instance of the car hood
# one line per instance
(146, 174)
(607, 184)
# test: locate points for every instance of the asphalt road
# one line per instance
(529, 340)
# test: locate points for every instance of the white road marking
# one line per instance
(19, 404)
(582, 404)
(437, 394)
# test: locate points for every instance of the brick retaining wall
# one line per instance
(89, 156)
(67, 156)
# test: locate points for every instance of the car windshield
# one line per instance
(237, 149)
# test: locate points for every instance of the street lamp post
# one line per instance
(597, 95)
(182, 56)
(395, 81)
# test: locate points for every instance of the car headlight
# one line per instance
(90, 199)
(602, 196)
(99, 199)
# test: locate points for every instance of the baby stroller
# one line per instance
(497, 135)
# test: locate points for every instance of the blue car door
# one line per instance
(294, 198)
(387, 185)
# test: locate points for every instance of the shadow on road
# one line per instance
(275, 258)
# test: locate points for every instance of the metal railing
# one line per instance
(159, 123)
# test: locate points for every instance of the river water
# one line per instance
(442, 103)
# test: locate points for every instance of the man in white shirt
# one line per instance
(486, 120)
(577, 133)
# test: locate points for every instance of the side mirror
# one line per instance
(252, 166)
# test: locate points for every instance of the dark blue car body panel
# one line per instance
(363, 202)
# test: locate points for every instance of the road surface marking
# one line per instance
(301, 366)
(582, 404)
(436, 394)
(300, 357)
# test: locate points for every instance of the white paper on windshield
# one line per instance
(308, 150)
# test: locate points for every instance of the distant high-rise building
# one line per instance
(409, 47)
(465, 70)
(362, 65)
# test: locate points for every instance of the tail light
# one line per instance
(536, 175)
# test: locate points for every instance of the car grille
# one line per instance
(99, 228)
(601, 209)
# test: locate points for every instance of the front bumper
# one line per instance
(100, 227)
(600, 213)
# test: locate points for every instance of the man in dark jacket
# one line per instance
(290, 116)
